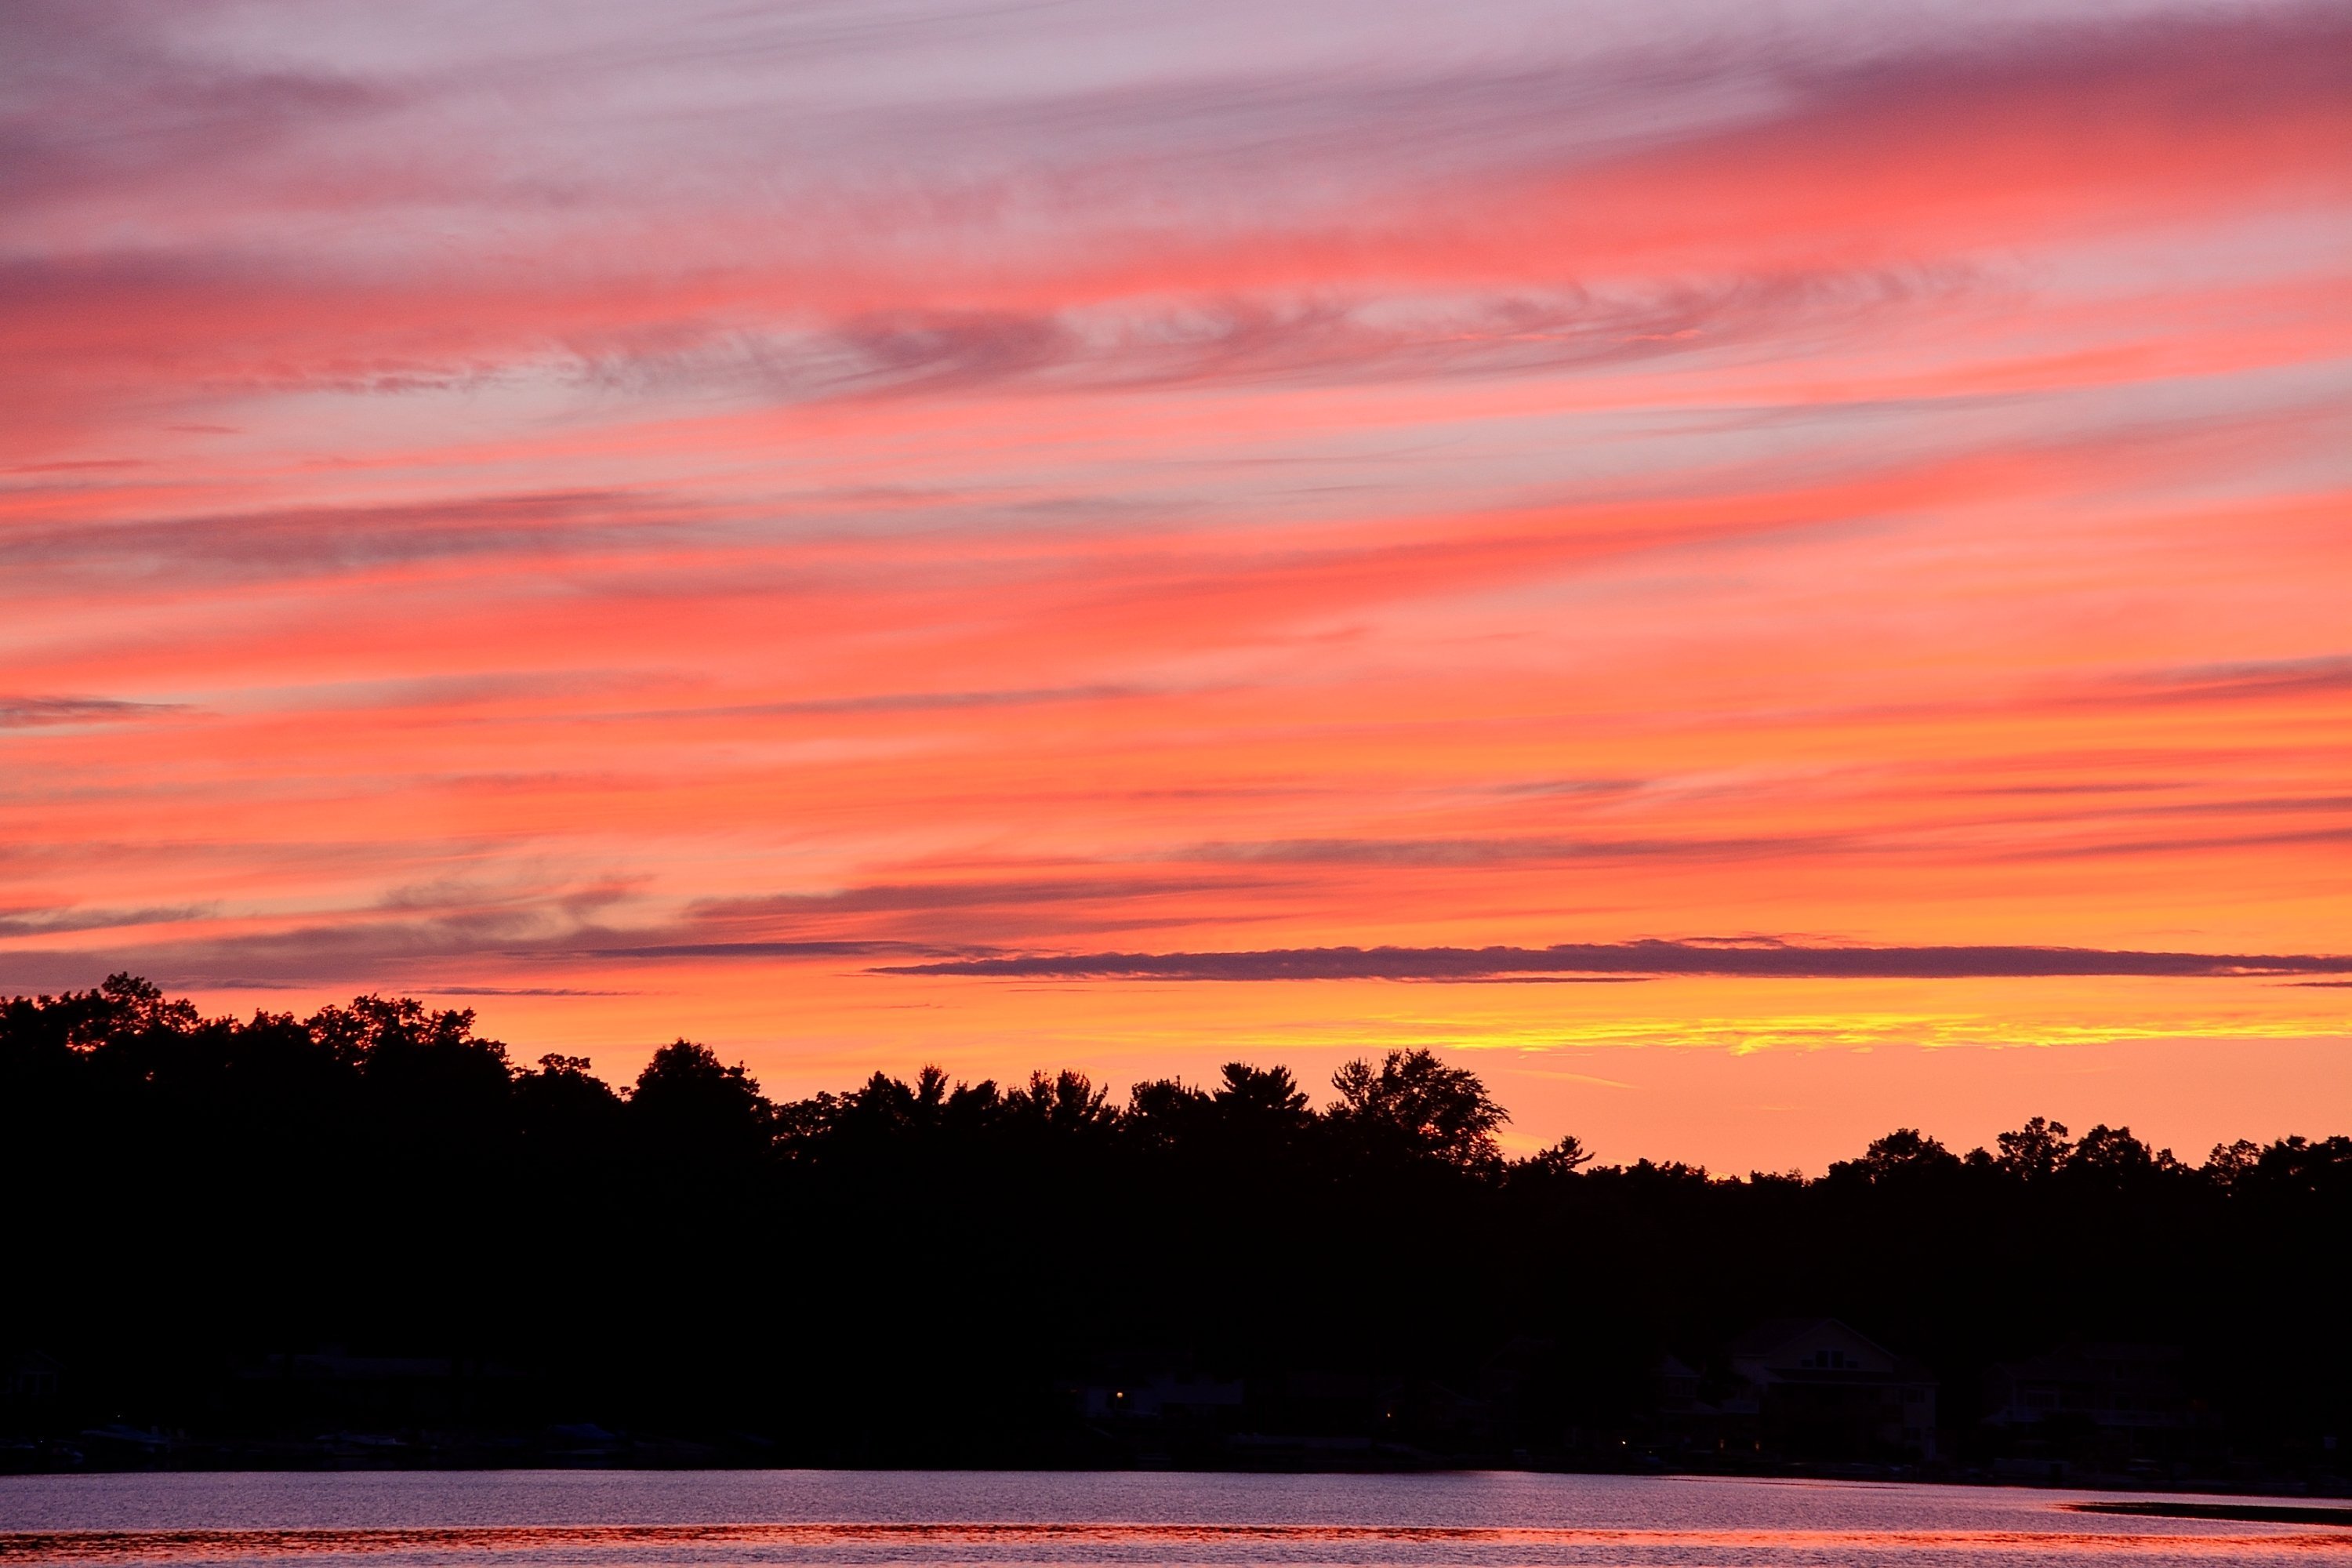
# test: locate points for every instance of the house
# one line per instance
(1820, 1390)
(2108, 1386)
(2107, 1405)
(1684, 1422)
(1677, 1388)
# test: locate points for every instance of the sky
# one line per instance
(1754, 573)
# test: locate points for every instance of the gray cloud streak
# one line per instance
(327, 540)
(25, 712)
(1494, 851)
(1646, 958)
(46, 922)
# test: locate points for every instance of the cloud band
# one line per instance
(1649, 958)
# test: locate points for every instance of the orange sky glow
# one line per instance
(1139, 534)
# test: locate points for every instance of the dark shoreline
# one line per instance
(2250, 1513)
(368, 1239)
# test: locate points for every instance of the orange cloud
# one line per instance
(690, 539)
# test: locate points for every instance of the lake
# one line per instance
(744, 1518)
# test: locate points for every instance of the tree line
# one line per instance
(922, 1269)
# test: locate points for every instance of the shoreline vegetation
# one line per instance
(367, 1237)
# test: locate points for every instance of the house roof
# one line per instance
(1777, 1334)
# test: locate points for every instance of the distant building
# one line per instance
(2110, 1407)
(2109, 1386)
(1820, 1390)
(1677, 1388)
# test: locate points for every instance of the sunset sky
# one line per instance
(1011, 534)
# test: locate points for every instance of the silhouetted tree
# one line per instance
(1904, 1154)
(1064, 1102)
(1264, 1097)
(2036, 1151)
(1562, 1159)
(2231, 1163)
(2111, 1156)
(687, 1102)
(1166, 1113)
(1416, 1103)
(377, 1176)
(564, 1099)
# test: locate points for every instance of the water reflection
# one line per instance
(1030, 1521)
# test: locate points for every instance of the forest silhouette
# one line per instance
(933, 1271)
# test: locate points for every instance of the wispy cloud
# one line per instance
(926, 898)
(318, 540)
(49, 923)
(23, 712)
(723, 505)
(1500, 850)
(1776, 959)
(2320, 676)
(914, 701)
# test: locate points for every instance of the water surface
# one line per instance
(738, 1518)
